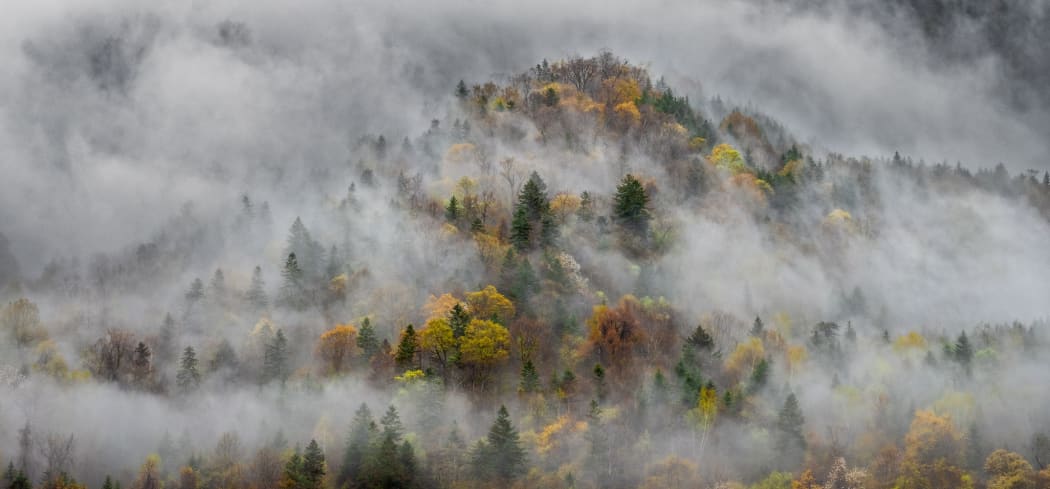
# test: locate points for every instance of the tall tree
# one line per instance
(407, 348)
(630, 205)
(256, 295)
(367, 340)
(362, 431)
(293, 288)
(275, 358)
(501, 456)
(188, 377)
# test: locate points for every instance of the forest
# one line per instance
(582, 273)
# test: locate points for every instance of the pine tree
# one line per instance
(452, 210)
(630, 205)
(758, 328)
(700, 339)
(789, 425)
(275, 358)
(313, 467)
(407, 457)
(501, 455)
(392, 427)
(196, 293)
(256, 294)
(759, 375)
(530, 379)
(964, 352)
(141, 362)
(601, 389)
(188, 378)
(458, 318)
(407, 348)
(461, 90)
(367, 340)
(293, 288)
(521, 230)
(362, 429)
(217, 288)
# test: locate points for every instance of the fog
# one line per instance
(126, 126)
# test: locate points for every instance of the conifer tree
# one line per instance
(458, 318)
(256, 294)
(275, 358)
(758, 328)
(188, 377)
(500, 456)
(530, 379)
(790, 439)
(964, 352)
(452, 210)
(630, 205)
(407, 348)
(293, 288)
(362, 430)
(367, 340)
(313, 467)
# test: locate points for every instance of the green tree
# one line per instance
(630, 205)
(293, 288)
(530, 379)
(458, 319)
(521, 230)
(789, 438)
(367, 340)
(452, 210)
(256, 295)
(407, 348)
(188, 377)
(461, 90)
(964, 352)
(757, 329)
(500, 456)
(363, 430)
(275, 359)
(313, 467)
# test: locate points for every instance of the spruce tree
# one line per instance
(357, 442)
(313, 467)
(367, 340)
(256, 294)
(392, 426)
(461, 90)
(452, 210)
(293, 288)
(758, 328)
(188, 377)
(521, 230)
(407, 348)
(275, 358)
(789, 425)
(601, 389)
(964, 352)
(630, 205)
(458, 318)
(530, 379)
(501, 456)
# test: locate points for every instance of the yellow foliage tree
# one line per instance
(21, 320)
(744, 358)
(727, 157)
(910, 342)
(438, 339)
(933, 449)
(1009, 470)
(336, 347)
(488, 303)
(439, 307)
(484, 345)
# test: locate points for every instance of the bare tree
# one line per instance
(580, 71)
(512, 176)
(57, 451)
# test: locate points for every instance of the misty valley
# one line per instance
(357, 247)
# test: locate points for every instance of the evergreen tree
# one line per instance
(367, 340)
(407, 457)
(313, 467)
(256, 294)
(407, 348)
(293, 288)
(188, 378)
(759, 375)
(141, 363)
(501, 455)
(600, 387)
(452, 210)
(599, 461)
(530, 379)
(700, 339)
(392, 426)
(758, 328)
(521, 230)
(790, 439)
(630, 205)
(964, 352)
(362, 430)
(225, 357)
(461, 90)
(217, 288)
(458, 318)
(275, 358)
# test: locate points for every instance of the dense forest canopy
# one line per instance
(257, 249)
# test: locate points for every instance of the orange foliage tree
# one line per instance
(336, 347)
